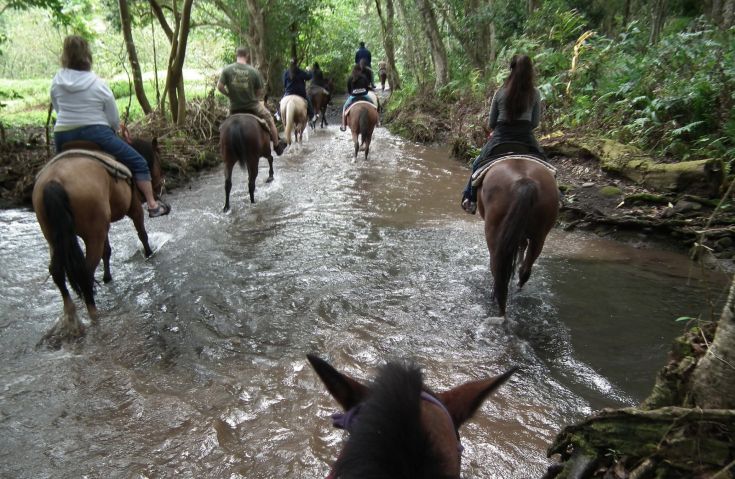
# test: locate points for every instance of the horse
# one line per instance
(294, 114)
(383, 76)
(244, 138)
(76, 195)
(519, 202)
(320, 97)
(397, 426)
(362, 117)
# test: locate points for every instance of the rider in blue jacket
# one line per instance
(361, 53)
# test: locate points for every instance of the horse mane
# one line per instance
(388, 440)
(145, 148)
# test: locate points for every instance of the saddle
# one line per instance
(262, 122)
(480, 173)
(92, 150)
(314, 89)
(367, 102)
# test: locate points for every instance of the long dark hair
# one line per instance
(76, 54)
(356, 72)
(520, 92)
(292, 69)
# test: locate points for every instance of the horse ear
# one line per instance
(463, 401)
(347, 391)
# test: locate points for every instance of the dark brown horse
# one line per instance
(320, 98)
(398, 428)
(75, 195)
(383, 76)
(362, 118)
(519, 201)
(244, 139)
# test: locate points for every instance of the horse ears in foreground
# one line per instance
(462, 402)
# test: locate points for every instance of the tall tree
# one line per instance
(438, 51)
(658, 17)
(125, 23)
(178, 38)
(386, 26)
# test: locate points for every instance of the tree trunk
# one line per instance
(713, 380)
(414, 59)
(626, 13)
(438, 52)
(133, 57)
(179, 39)
(658, 16)
(386, 25)
(728, 14)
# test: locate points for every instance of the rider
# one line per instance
(317, 78)
(294, 83)
(361, 53)
(358, 86)
(243, 85)
(368, 72)
(86, 110)
(514, 113)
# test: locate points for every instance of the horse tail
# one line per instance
(364, 126)
(67, 258)
(235, 145)
(511, 235)
(290, 119)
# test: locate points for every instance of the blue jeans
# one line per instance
(353, 98)
(110, 143)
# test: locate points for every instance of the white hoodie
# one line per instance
(80, 98)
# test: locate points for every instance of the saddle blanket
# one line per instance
(478, 175)
(358, 102)
(113, 167)
(262, 122)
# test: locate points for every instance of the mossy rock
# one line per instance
(610, 191)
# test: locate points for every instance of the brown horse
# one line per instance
(244, 138)
(75, 195)
(383, 76)
(398, 428)
(294, 115)
(519, 201)
(362, 118)
(320, 98)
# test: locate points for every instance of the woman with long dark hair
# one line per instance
(358, 86)
(86, 110)
(514, 113)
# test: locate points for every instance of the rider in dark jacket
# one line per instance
(361, 53)
(358, 86)
(294, 83)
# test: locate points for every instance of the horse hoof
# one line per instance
(107, 278)
(270, 178)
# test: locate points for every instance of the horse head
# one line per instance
(151, 151)
(397, 426)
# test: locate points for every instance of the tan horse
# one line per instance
(294, 115)
(77, 196)
(519, 201)
(362, 118)
(397, 426)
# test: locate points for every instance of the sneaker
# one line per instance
(280, 147)
(469, 206)
(161, 210)
(277, 116)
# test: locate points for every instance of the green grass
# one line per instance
(26, 101)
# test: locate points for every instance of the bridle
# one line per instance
(346, 420)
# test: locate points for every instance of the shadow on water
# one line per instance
(197, 367)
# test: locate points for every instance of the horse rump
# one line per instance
(67, 259)
(232, 142)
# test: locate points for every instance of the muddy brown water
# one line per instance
(197, 367)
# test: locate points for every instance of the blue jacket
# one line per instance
(297, 85)
(361, 53)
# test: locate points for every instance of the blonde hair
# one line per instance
(76, 54)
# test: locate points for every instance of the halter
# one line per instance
(346, 420)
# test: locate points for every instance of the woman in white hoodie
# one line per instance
(86, 110)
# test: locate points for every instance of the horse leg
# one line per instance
(136, 214)
(228, 183)
(532, 253)
(69, 326)
(270, 169)
(106, 277)
(95, 247)
(367, 148)
(252, 175)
